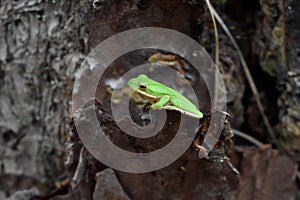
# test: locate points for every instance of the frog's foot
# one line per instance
(156, 107)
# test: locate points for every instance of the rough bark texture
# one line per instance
(187, 178)
(278, 51)
(289, 99)
(41, 44)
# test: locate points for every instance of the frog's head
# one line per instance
(139, 83)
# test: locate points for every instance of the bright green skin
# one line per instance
(163, 96)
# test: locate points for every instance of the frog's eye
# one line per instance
(142, 86)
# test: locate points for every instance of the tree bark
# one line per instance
(278, 50)
(41, 44)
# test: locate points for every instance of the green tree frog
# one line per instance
(163, 96)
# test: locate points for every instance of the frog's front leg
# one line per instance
(161, 103)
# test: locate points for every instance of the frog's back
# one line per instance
(183, 102)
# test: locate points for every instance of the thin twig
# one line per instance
(211, 9)
(247, 137)
(217, 53)
(249, 78)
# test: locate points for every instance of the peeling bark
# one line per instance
(41, 45)
(278, 47)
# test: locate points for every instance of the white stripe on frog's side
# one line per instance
(182, 111)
